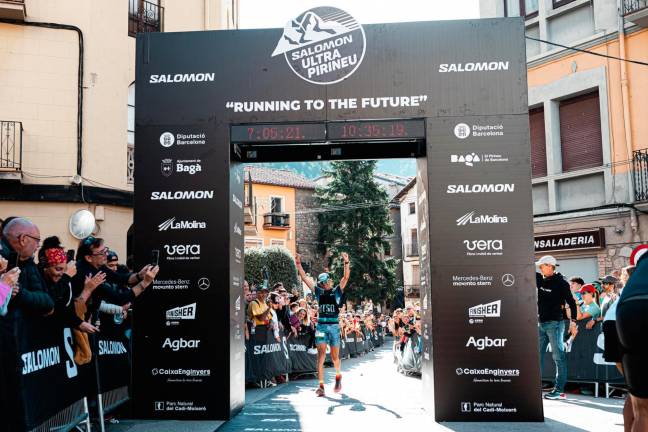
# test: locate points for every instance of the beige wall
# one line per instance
(38, 86)
(53, 219)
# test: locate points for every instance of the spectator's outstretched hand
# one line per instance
(3, 264)
(345, 256)
(11, 278)
(150, 274)
(91, 283)
(86, 327)
(297, 260)
(590, 324)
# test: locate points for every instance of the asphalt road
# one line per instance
(377, 398)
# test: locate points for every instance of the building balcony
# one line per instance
(10, 149)
(636, 11)
(411, 249)
(13, 9)
(144, 17)
(278, 221)
(640, 174)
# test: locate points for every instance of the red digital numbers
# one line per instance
(373, 130)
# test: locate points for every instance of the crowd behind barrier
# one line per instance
(65, 352)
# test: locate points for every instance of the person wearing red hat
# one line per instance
(589, 310)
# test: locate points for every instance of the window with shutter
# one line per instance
(580, 132)
(538, 142)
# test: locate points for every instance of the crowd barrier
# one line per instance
(585, 361)
(266, 358)
(57, 392)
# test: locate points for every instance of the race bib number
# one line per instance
(320, 334)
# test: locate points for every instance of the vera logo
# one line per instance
(483, 247)
(182, 252)
(324, 45)
(167, 139)
(167, 167)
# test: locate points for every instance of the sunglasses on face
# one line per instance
(101, 252)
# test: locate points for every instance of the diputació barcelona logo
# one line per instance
(324, 45)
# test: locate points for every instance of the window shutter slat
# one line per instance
(580, 132)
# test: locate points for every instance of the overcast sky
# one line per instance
(275, 13)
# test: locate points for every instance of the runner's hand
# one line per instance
(345, 256)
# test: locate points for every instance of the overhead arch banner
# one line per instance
(452, 94)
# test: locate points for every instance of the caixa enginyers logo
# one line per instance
(323, 45)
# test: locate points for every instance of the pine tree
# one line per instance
(356, 220)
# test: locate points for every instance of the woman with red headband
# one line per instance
(57, 272)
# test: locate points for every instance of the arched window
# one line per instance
(130, 160)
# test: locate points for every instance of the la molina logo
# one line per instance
(323, 45)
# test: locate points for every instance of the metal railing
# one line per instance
(276, 220)
(144, 17)
(411, 249)
(10, 145)
(632, 6)
(640, 174)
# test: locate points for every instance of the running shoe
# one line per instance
(555, 395)
(320, 391)
(338, 384)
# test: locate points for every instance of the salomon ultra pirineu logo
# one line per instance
(324, 45)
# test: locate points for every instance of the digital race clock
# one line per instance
(294, 132)
(376, 130)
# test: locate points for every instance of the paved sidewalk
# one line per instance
(376, 397)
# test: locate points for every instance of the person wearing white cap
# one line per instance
(553, 293)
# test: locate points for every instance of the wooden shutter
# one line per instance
(538, 142)
(580, 132)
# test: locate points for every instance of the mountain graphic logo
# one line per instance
(323, 45)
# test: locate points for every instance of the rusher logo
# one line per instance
(323, 45)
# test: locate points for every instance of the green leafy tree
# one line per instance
(280, 264)
(356, 220)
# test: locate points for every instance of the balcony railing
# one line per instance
(640, 174)
(632, 6)
(10, 146)
(411, 249)
(12, 9)
(276, 221)
(144, 17)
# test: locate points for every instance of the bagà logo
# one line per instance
(323, 45)
(470, 218)
(473, 158)
(167, 167)
(171, 224)
(481, 188)
(182, 313)
(486, 342)
(182, 195)
(474, 67)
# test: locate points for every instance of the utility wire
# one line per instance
(587, 51)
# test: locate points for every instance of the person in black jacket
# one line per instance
(91, 259)
(20, 239)
(553, 293)
(58, 273)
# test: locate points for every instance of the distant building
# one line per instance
(411, 266)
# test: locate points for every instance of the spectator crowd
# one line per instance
(40, 280)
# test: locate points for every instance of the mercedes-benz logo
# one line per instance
(508, 280)
(459, 371)
(204, 283)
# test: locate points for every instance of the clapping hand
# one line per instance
(92, 282)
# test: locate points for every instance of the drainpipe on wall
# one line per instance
(625, 98)
(634, 225)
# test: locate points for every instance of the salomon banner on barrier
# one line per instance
(452, 94)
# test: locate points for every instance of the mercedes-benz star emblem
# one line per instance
(508, 280)
(203, 283)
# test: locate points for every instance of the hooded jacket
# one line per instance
(553, 293)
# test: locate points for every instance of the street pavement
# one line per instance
(376, 397)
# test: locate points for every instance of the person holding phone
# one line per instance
(92, 257)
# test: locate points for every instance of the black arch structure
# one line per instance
(475, 221)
